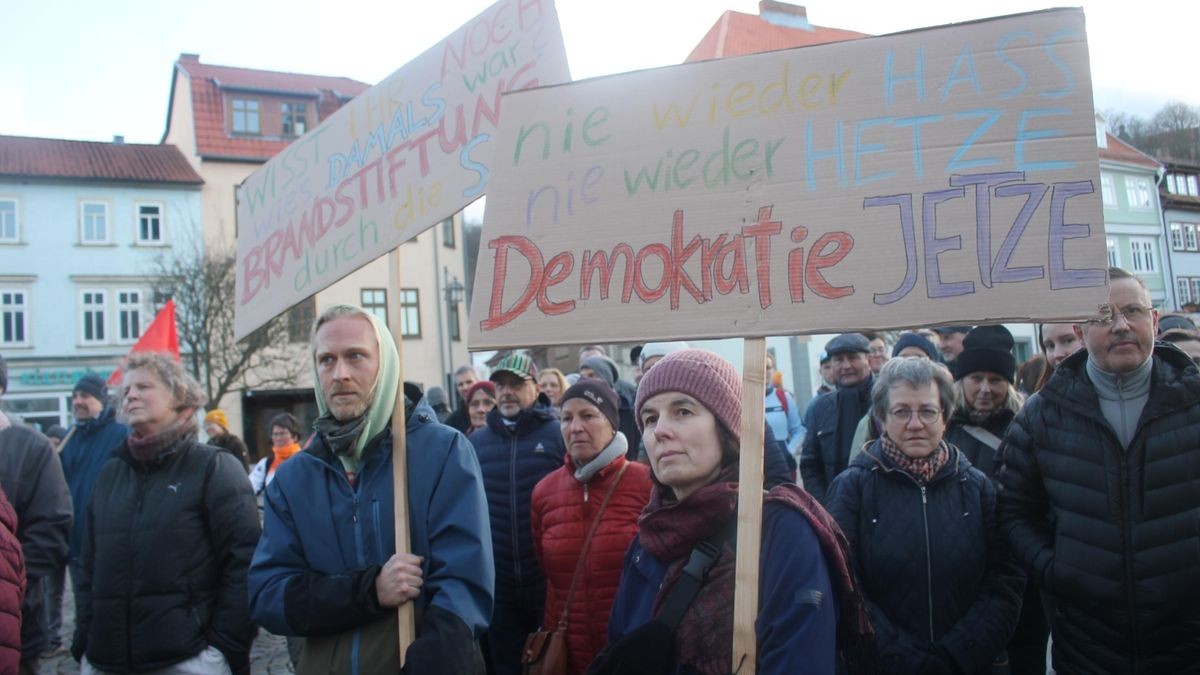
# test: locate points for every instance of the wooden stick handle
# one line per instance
(750, 502)
(407, 617)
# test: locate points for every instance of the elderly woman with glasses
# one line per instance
(941, 589)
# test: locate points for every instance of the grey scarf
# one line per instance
(340, 435)
(608, 455)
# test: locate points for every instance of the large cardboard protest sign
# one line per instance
(404, 155)
(940, 175)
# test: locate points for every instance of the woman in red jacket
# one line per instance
(12, 588)
(567, 502)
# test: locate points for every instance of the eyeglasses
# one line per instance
(1132, 313)
(926, 415)
(878, 351)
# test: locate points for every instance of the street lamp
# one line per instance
(453, 291)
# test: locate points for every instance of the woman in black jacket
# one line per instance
(941, 589)
(170, 531)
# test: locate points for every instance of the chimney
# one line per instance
(189, 58)
(784, 14)
(118, 139)
(1101, 131)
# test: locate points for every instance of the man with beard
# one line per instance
(835, 416)
(327, 567)
(950, 343)
(1100, 495)
(520, 445)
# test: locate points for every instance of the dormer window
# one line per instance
(245, 116)
(295, 119)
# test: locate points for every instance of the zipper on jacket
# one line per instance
(928, 561)
(512, 500)
(141, 485)
(1126, 535)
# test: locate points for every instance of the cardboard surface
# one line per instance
(404, 155)
(947, 175)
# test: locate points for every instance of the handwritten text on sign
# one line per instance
(946, 174)
(404, 155)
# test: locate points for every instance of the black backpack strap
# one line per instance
(694, 574)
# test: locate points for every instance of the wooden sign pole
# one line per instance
(407, 617)
(750, 502)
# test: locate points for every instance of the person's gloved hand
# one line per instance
(648, 650)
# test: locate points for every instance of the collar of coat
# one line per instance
(1174, 384)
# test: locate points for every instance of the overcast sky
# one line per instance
(89, 70)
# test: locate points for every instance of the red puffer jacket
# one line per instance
(12, 588)
(563, 510)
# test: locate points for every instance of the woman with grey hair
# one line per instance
(941, 590)
(169, 534)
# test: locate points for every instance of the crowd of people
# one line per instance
(937, 507)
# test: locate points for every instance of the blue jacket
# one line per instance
(513, 460)
(942, 590)
(794, 635)
(786, 424)
(90, 446)
(324, 541)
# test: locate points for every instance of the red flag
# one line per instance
(160, 336)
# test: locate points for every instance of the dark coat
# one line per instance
(942, 590)
(981, 455)
(165, 554)
(826, 452)
(32, 476)
(89, 446)
(12, 588)
(513, 460)
(234, 446)
(1111, 535)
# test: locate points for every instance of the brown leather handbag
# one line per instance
(545, 651)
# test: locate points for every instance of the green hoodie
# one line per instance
(383, 398)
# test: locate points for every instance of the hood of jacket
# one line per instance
(528, 420)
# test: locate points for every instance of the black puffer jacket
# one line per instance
(825, 452)
(981, 455)
(1112, 535)
(941, 588)
(165, 555)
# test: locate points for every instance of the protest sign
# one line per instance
(404, 155)
(947, 174)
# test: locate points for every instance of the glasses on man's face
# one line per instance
(926, 415)
(1132, 313)
(878, 351)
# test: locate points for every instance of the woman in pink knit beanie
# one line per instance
(811, 616)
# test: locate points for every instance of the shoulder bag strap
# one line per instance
(587, 544)
(983, 436)
(695, 573)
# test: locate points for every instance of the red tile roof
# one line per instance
(1120, 151)
(208, 81)
(87, 160)
(736, 33)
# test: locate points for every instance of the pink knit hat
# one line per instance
(704, 376)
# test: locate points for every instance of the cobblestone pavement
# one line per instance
(269, 656)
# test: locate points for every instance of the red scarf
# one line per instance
(670, 529)
(922, 469)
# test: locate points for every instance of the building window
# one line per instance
(245, 116)
(10, 233)
(93, 317)
(1182, 289)
(1177, 237)
(1171, 189)
(1113, 261)
(1107, 190)
(129, 316)
(452, 324)
(1189, 231)
(300, 320)
(410, 312)
(374, 300)
(93, 227)
(1193, 190)
(1195, 289)
(1142, 253)
(295, 119)
(448, 234)
(14, 317)
(1137, 189)
(149, 225)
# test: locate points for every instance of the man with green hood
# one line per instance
(327, 567)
